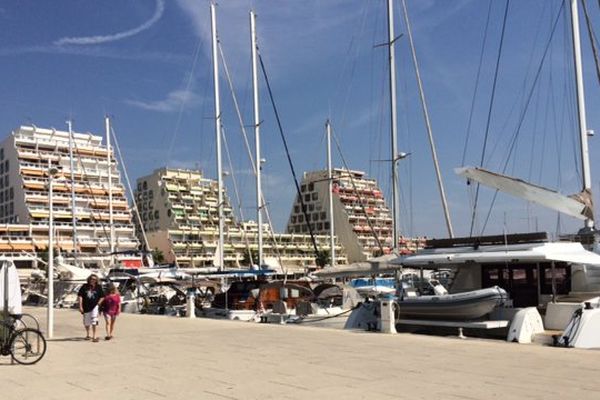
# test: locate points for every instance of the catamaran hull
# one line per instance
(465, 306)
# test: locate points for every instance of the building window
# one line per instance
(145, 185)
(169, 212)
(12, 193)
(315, 217)
(144, 216)
(311, 207)
(327, 226)
(296, 209)
(315, 195)
(5, 180)
(311, 187)
(6, 166)
(1, 154)
(156, 214)
(303, 188)
(320, 226)
(307, 197)
(323, 215)
(12, 208)
(139, 186)
(294, 219)
(300, 218)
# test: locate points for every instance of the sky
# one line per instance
(147, 63)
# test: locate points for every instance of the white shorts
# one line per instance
(91, 318)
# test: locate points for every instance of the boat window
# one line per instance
(562, 277)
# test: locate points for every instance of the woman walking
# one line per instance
(111, 308)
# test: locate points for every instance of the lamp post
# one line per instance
(52, 172)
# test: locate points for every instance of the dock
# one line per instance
(158, 357)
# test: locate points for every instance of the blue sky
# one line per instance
(147, 63)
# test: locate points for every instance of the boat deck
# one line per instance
(157, 357)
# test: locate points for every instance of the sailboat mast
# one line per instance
(585, 157)
(394, 126)
(215, 60)
(257, 158)
(436, 164)
(73, 202)
(330, 191)
(110, 196)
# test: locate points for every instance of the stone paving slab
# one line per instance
(156, 357)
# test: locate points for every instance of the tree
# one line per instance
(322, 258)
(158, 256)
(248, 260)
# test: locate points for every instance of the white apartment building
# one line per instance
(360, 215)
(25, 158)
(178, 209)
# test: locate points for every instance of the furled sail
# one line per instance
(578, 205)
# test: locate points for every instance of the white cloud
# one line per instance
(86, 40)
(174, 101)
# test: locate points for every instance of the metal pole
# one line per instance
(257, 158)
(110, 197)
(394, 126)
(50, 319)
(585, 157)
(73, 202)
(5, 312)
(215, 59)
(330, 190)
(553, 271)
(436, 163)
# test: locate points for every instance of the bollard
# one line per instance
(191, 303)
(387, 318)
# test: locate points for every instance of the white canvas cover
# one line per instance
(569, 252)
(9, 279)
(578, 205)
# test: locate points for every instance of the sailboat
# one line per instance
(534, 270)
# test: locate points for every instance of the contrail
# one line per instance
(158, 13)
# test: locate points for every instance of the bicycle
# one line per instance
(26, 346)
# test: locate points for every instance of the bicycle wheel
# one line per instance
(27, 346)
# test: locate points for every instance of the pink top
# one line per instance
(112, 304)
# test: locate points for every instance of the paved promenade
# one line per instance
(155, 357)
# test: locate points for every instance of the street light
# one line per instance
(52, 173)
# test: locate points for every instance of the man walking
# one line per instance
(90, 297)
